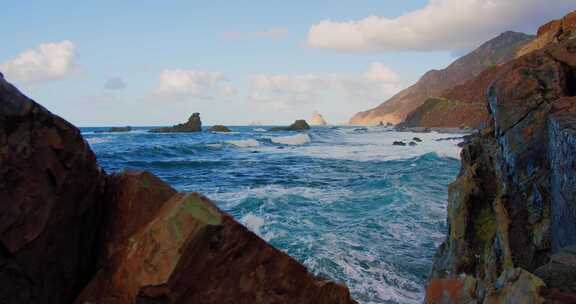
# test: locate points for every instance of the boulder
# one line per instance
(51, 210)
(298, 125)
(398, 143)
(219, 128)
(417, 139)
(194, 124)
(192, 252)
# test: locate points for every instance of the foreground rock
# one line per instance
(69, 233)
(317, 119)
(116, 129)
(219, 128)
(51, 207)
(298, 125)
(510, 210)
(194, 124)
(432, 84)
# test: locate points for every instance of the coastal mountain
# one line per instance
(512, 209)
(71, 233)
(432, 84)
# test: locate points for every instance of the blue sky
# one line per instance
(238, 61)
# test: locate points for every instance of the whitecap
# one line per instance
(245, 143)
(252, 222)
(298, 139)
(259, 130)
(97, 140)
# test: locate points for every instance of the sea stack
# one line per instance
(317, 119)
(194, 124)
(298, 125)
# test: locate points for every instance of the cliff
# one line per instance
(511, 212)
(70, 233)
(494, 52)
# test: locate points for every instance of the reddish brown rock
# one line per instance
(51, 204)
(191, 252)
(510, 207)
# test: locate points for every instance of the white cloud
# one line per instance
(285, 91)
(440, 25)
(50, 61)
(190, 83)
(274, 33)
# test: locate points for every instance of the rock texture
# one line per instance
(510, 208)
(494, 52)
(194, 124)
(69, 233)
(298, 125)
(317, 119)
(219, 128)
(50, 204)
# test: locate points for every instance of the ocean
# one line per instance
(344, 201)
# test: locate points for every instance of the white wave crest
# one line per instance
(260, 130)
(253, 222)
(298, 139)
(245, 143)
(97, 140)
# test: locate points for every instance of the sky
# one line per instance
(148, 63)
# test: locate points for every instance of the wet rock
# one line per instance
(298, 125)
(417, 139)
(219, 128)
(194, 124)
(398, 143)
(560, 272)
(516, 286)
(412, 143)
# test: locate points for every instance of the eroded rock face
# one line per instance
(512, 204)
(194, 124)
(51, 206)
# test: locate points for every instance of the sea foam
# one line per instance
(298, 139)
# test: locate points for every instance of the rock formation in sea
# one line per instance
(298, 125)
(219, 128)
(317, 119)
(432, 84)
(194, 124)
(116, 129)
(70, 233)
(511, 211)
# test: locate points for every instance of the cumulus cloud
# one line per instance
(440, 25)
(49, 61)
(191, 83)
(274, 33)
(283, 90)
(115, 83)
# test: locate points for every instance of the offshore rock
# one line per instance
(116, 129)
(298, 125)
(194, 124)
(51, 206)
(317, 119)
(219, 128)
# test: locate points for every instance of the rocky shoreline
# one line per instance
(511, 210)
(71, 233)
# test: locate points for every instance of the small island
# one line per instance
(298, 125)
(219, 128)
(194, 124)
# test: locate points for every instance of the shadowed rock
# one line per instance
(219, 128)
(298, 125)
(194, 124)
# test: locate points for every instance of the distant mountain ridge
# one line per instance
(433, 83)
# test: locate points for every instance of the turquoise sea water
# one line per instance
(344, 201)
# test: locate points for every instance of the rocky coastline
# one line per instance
(511, 210)
(71, 233)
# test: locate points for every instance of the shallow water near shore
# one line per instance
(342, 200)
